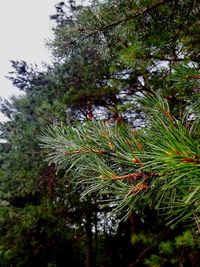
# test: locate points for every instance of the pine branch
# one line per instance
(116, 23)
(160, 163)
(120, 21)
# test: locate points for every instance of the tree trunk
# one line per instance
(89, 247)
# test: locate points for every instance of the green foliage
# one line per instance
(36, 229)
(110, 61)
(160, 163)
(186, 78)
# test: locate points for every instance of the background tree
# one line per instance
(156, 57)
(105, 56)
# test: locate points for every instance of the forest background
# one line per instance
(100, 155)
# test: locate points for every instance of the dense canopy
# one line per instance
(100, 156)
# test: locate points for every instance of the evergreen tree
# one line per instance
(32, 197)
(111, 60)
(150, 46)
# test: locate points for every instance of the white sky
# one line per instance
(24, 27)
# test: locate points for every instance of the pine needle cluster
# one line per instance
(158, 165)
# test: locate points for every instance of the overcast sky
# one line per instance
(24, 26)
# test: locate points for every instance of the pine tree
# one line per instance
(115, 62)
(153, 54)
(158, 57)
